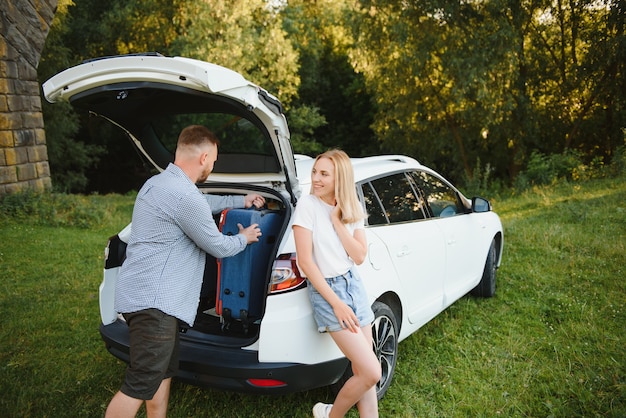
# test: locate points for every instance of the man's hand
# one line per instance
(252, 233)
(254, 199)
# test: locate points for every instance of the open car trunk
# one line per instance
(152, 98)
(234, 289)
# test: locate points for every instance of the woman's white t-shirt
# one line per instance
(314, 214)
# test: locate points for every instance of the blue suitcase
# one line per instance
(242, 279)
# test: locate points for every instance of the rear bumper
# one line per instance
(228, 368)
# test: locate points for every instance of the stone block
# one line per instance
(35, 104)
(18, 103)
(33, 87)
(26, 172)
(16, 156)
(8, 174)
(6, 138)
(24, 137)
(26, 71)
(8, 69)
(46, 10)
(10, 188)
(43, 169)
(25, 87)
(5, 86)
(40, 136)
(37, 153)
(16, 39)
(27, 16)
(32, 120)
(12, 54)
(13, 86)
(21, 155)
(40, 184)
(10, 156)
(19, 36)
(10, 121)
(4, 104)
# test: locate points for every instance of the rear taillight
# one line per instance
(267, 383)
(285, 274)
(115, 252)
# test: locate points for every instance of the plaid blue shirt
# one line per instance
(172, 228)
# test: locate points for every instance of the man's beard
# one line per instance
(204, 176)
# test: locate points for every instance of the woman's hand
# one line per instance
(346, 317)
(335, 214)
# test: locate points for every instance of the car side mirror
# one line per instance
(480, 205)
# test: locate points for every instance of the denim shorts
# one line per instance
(153, 352)
(349, 287)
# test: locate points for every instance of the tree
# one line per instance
(442, 75)
(580, 90)
(329, 82)
(244, 35)
(69, 157)
(452, 83)
(491, 80)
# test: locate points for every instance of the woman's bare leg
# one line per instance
(360, 388)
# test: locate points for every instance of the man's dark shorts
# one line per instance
(153, 352)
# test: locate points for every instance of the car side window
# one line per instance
(442, 200)
(398, 198)
(375, 213)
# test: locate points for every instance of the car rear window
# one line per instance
(243, 146)
(155, 113)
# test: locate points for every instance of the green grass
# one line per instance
(549, 344)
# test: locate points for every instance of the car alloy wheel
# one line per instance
(385, 341)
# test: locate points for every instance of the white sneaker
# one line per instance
(322, 410)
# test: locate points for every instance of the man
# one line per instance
(160, 280)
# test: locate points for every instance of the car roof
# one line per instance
(364, 167)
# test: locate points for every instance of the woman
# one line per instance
(330, 239)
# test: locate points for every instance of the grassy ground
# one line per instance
(549, 344)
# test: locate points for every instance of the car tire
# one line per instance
(486, 288)
(385, 344)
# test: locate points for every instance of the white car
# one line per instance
(428, 244)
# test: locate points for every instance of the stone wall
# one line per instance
(24, 26)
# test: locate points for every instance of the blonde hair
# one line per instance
(345, 191)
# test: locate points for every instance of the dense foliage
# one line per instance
(466, 87)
